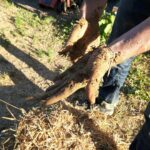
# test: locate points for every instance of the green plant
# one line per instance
(25, 20)
(7, 3)
(106, 23)
(49, 54)
(20, 24)
(40, 53)
(64, 28)
(138, 82)
(46, 20)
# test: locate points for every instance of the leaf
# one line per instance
(103, 21)
(108, 28)
(112, 18)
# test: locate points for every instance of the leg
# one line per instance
(113, 83)
(142, 140)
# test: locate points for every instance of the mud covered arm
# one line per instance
(90, 69)
(90, 7)
(132, 43)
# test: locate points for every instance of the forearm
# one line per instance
(132, 43)
(90, 8)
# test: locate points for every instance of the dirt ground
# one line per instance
(23, 73)
(29, 61)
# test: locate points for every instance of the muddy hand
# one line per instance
(103, 60)
(73, 79)
(88, 76)
(66, 87)
(84, 36)
(77, 33)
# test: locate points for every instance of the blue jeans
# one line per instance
(130, 13)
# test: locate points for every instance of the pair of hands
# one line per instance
(90, 63)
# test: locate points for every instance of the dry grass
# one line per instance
(65, 127)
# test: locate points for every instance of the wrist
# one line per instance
(92, 10)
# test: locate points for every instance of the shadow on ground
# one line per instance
(22, 87)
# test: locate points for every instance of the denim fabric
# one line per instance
(130, 13)
(142, 140)
(112, 83)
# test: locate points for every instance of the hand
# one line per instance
(86, 73)
(84, 36)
